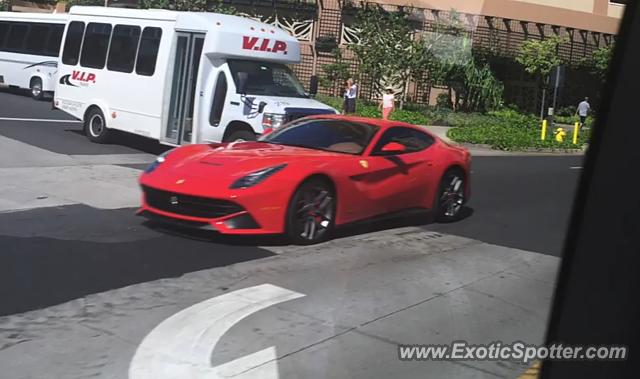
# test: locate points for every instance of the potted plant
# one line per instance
(326, 44)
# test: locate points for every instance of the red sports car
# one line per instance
(306, 178)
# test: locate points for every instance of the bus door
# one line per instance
(179, 126)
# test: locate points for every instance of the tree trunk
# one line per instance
(544, 96)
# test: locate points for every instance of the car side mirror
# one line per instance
(393, 148)
(242, 78)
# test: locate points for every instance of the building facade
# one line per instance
(496, 25)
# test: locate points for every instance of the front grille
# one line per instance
(187, 205)
(175, 221)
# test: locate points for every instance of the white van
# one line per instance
(29, 46)
(178, 77)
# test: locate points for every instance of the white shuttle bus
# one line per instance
(29, 46)
(178, 77)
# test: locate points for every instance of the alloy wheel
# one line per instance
(452, 196)
(314, 213)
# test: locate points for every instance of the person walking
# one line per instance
(350, 94)
(387, 104)
(583, 111)
(345, 99)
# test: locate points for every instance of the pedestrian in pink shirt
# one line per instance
(387, 104)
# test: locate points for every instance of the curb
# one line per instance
(528, 151)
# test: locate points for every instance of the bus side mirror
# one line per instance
(313, 85)
(242, 79)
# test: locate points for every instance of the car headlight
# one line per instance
(256, 177)
(159, 160)
(272, 121)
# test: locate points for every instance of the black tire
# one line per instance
(311, 212)
(36, 89)
(451, 196)
(95, 126)
(240, 135)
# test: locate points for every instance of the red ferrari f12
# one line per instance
(308, 177)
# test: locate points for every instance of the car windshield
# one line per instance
(270, 79)
(330, 135)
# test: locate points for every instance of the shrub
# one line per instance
(499, 134)
(571, 120)
(411, 117)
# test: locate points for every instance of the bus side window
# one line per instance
(52, 48)
(148, 51)
(96, 43)
(219, 97)
(4, 31)
(37, 38)
(17, 37)
(122, 51)
(72, 43)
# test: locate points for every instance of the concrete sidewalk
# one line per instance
(34, 178)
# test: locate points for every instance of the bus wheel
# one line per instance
(241, 135)
(95, 126)
(36, 89)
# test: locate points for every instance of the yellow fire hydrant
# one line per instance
(560, 134)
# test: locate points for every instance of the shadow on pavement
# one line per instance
(418, 218)
(132, 141)
(37, 272)
(214, 237)
(363, 227)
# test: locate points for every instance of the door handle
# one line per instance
(429, 163)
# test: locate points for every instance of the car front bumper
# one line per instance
(254, 212)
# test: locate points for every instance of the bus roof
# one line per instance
(232, 37)
(34, 17)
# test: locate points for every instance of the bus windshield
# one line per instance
(269, 79)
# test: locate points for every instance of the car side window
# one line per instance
(413, 140)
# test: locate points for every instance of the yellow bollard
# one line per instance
(543, 136)
(576, 129)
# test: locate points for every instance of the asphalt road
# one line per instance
(86, 286)
(51, 255)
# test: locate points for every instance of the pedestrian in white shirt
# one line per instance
(583, 111)
(350, 95)
(387, 104)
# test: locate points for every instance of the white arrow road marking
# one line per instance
(181, 346)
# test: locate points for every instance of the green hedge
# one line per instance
(506, 129)
(370, 109)
(571, 120)
(502, 136)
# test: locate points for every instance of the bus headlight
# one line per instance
(273, 121)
